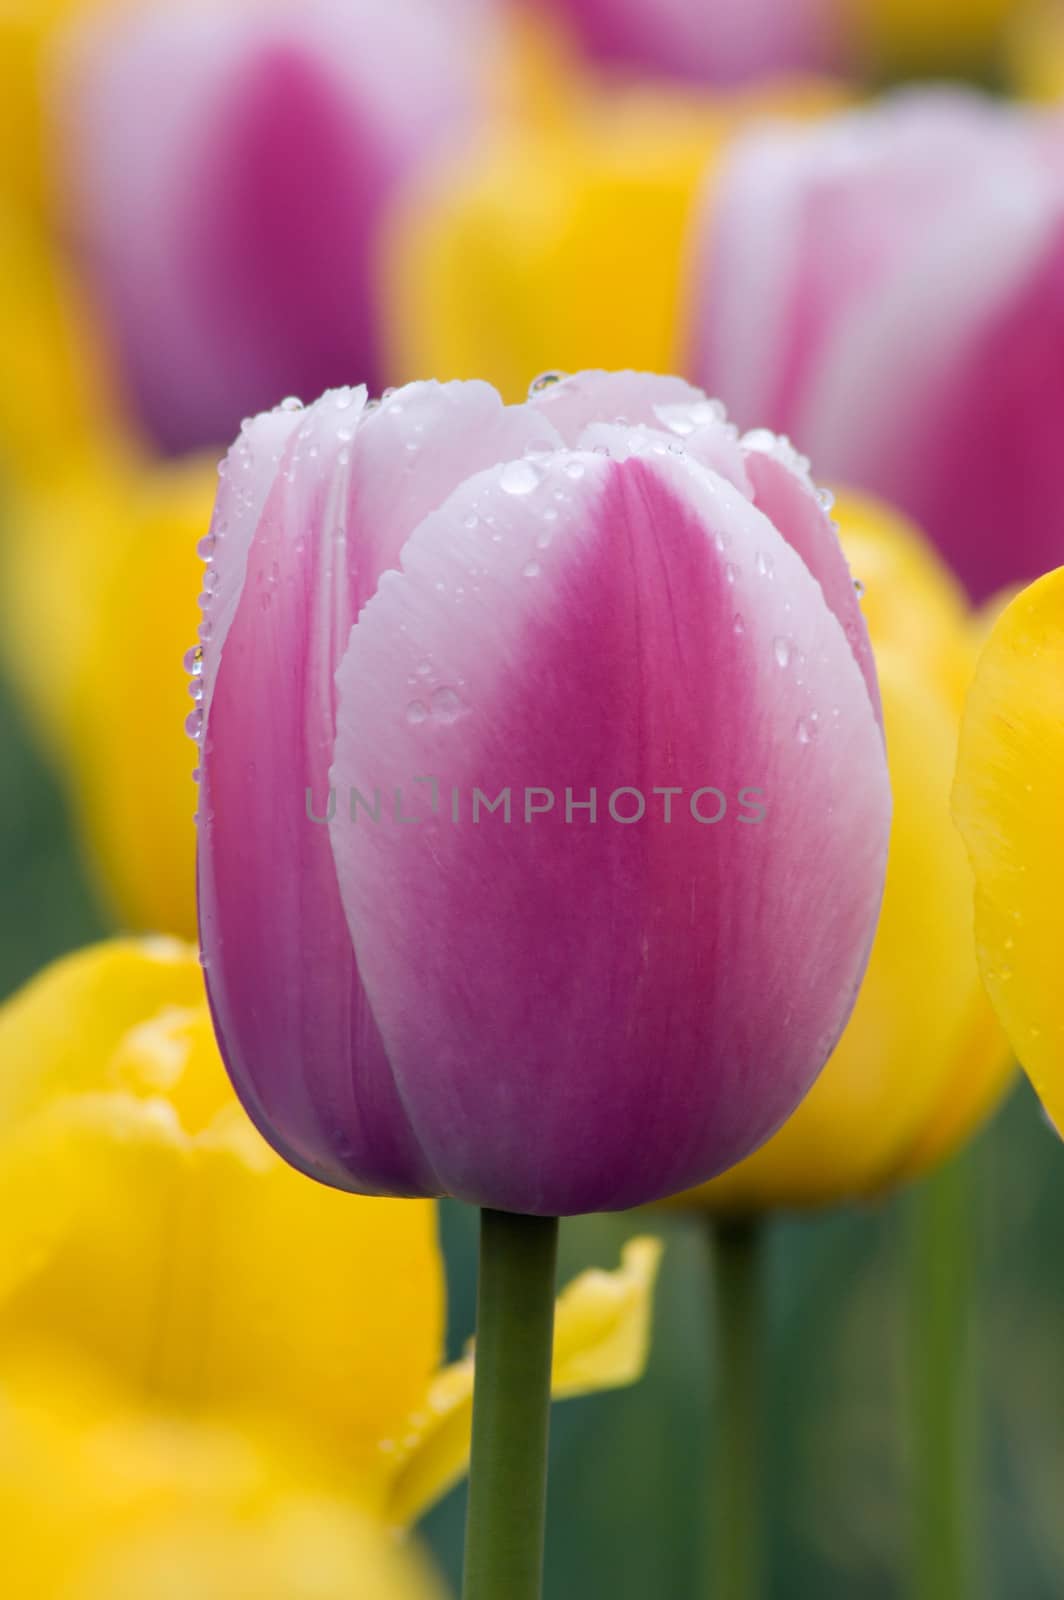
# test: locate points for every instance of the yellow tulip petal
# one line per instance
(1007, 803)
(104, 566)
(601, 1338)
(602, 1323)
(60, 1033)
(102, 1501)
(912, 603)
(150, 1227)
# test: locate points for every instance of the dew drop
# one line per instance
(531, 569)
(858, 588)
(519, 477)
(807, 728)
(825, 499)
(781, 649)
(738, 625)
(205, 548)
(193, 662)
(194, 723)
(291, 403)
(417, 711)
(546, 380)
(446, 705)
(574, 469)
(344, 397)
(731, 572)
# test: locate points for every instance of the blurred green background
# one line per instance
(627, 1518)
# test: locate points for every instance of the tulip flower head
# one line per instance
(225, 169)
(544, 804)
(884, 285)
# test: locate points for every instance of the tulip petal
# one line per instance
(1010, 778)
(60, 1033)
(592, 410)
(150, 1230)
(891, 277)
(283, 984)
(789, 500)
(203, 1272)
(570, 623)
(601, 1338)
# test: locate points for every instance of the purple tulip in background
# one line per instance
(718, 42)
(887, 287)
(226, 170)
(557, 1005)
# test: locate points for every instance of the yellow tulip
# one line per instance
(150, 1230)
(98, 567)
(100, 1501)
(561, 242)
(922, 1061)
(1007, 802)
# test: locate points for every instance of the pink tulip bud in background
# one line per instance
(544, 806)
(225, 168)
(708, 41)
(888, 287)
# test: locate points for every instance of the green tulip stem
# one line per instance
(941, 1373)
(735, 1528)
(511, 1407)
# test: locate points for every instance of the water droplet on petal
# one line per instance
(807, 728)
(291, 403)
(193, 662)
(546, 380)
(417, 711)
(858, 588)
(574, 469)
(446, 705)
(519, 477)
(825, 499)
(531, 569)
(194, 723)
(781, 649)
(738, 625)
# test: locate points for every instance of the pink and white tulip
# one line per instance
(713, 41)
(226, 168)
(887, 287)
(602, 590)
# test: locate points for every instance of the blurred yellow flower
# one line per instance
(150, 1230)
(103, 563)
(560, 242)
(1008, 803)
(101, 1501)
(909, 37)
(922, 1062)
(1034, 50)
